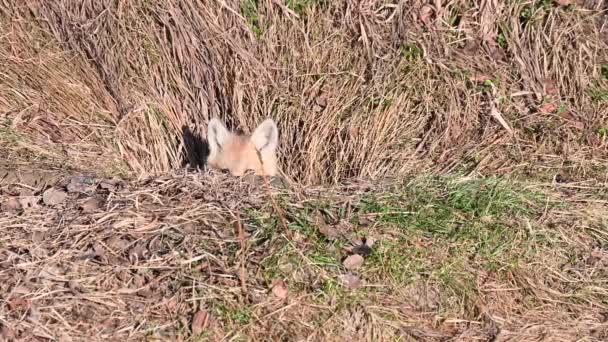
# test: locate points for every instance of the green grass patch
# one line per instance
(598, 94)
(299, 6)
(444, 231)
(7, 134)
(249, 10)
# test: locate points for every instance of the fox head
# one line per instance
(239, 154)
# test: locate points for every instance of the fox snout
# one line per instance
(240, 153)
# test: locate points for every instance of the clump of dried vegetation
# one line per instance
(358, 88)
(98, 91)
(187, 256)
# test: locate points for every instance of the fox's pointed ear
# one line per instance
(266, 136)
(217, 135)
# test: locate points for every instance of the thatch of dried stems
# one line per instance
(358, 88)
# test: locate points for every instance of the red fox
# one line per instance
(239, 154)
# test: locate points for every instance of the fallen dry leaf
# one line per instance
(328, 231)
(365, 221)
(318, 219)
(19, 304)
(471, 48)
(578, 125)
(369, 241)
(548, 108)
(38, 235)
(92, 204)
(54, 196)
(117, 243)
(564, 2)
(350, 281)
(425, 14)
(279, 289)
(353, 261)
(199, 322)
(12, 204)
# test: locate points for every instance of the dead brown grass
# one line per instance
(149, 255)
(359, 88)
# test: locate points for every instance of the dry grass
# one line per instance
(359, 88)
(464, 260)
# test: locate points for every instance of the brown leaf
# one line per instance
(350, 281)
(19, 304)
(353, 262)
(364, 221)
(11, 205)
(548, 108)
(38, 235)
(471, 48)
(567, 115)
(329, 232)
(425, 14)
(279, 289)
(199, 322)
(91, 205)
(54, 196)
(369, 241)
(318, 219)
(117, 243)
(563, 2)
(74, 286)
(578, 125)
(171, 304)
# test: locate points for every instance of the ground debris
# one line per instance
(54, 196)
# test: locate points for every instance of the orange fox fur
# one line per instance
(239, 154)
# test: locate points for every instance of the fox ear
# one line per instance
(266, 136)
(217, 135)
